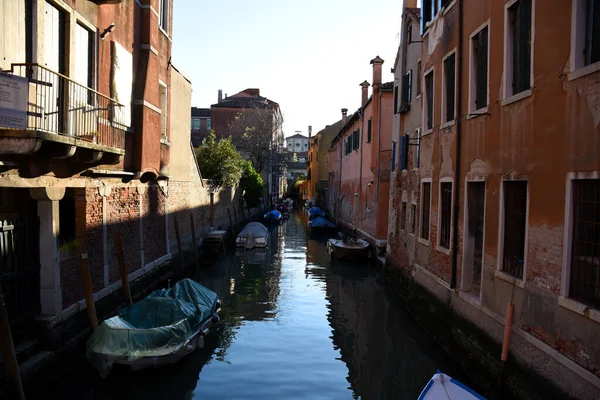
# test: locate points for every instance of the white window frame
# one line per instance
(473, 74)
(164, 124)
(507, 95)
(564, 300)
(163, 16)
(424, 93)
(577, 67)
(418, 67)
(444, 88)
(438, 247)
(463, 282)
(420, 238)
(499, 273)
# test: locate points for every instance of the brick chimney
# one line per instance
(220, 96)
(410, 4)
(377, 62)
(344, 115)
(309, 131)
(365, 92)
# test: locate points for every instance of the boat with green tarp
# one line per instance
(158, 330)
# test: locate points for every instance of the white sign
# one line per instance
(14, 95)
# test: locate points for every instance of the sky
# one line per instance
(309, 56)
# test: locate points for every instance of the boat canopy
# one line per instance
(320, 222)
(160, 324)
(255, 228)
(273, 214)
(316, 211)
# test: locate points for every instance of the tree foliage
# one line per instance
(252, 185)
(219, 161)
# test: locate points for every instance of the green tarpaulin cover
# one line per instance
(158, 325)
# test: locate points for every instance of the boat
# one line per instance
(272, 216)
(321, 224)
(348, 249)
(158, 330)
(316, 211)
(443, 387)
(253, 235)
(282, 208)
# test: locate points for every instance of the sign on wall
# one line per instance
(14, 95)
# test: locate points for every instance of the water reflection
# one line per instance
(292, 326)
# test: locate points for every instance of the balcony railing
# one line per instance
(59, 105)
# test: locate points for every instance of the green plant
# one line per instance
(219, 161)
(69, 247)
(251, 184)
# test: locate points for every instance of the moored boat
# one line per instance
(443, 387)
(320, 223)
(159, 330)
(253, 235)
(272, 216)
(348, 249)
(316, 212)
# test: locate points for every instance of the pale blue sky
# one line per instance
(310, 56)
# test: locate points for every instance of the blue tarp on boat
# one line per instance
(316, 211)
(320, 222)
(273, 215)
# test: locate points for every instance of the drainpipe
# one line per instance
(340, 186)
(361, 114)
(457, 180)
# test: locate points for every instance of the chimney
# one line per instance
(220, 96)
(410, 4)
(344, 115)
(365, 92)
(309, 131)
(377, 62)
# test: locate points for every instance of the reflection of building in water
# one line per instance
(386, 353)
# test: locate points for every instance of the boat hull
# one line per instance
(339, 251)
(442, 387)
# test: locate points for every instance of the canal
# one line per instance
(293, 325)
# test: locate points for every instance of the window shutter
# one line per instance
(369, 127)
(403, 152)
(405, 89)
(395, 99)
(482, 69)
(393, 156)
(450, 86)
(409, 95)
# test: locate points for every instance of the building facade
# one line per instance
(360, 161)
(297, 143)
(509, 183)
(201, 125)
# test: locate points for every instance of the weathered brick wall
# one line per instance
(93, 239)
(544, 257)
(153, 224)
(70, 279)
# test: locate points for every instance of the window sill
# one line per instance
(579, 308)
(443, 250)
(160, 28)
(478, 113)
(583, 71)
(447, 124)
(423, 241)
(517, 97)
(510, 279)
(427, 132)
(165, 141)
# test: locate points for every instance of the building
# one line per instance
(201, 125)
(248, 114)
(318, 160)
(360, 161)
(296, 165)
(406, 129)
(297, 143)
(509, 178)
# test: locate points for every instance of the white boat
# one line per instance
(443, 387)
(253, 235)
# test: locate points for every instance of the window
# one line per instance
(403, 216)
(479, 70)
(449, 87)
(395, 99)
(592, 40)
(406, 88)
(208, 124)
(518, 47)
(164, 15)
(445, 213)
(418, 78)
(404, 152)
(409, 34)
(418, 152)
(413, 218)
(426, 8)
(426, 208)
(585, 252)
(515, 219)
(195, 123)
(84, 56)
(355, 139)
(162, 89)
(369, 127)
(393, 156)
(429, 100)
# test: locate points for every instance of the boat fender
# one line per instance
(215, 319)
(218, 304)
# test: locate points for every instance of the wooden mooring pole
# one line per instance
(194, 244)
(89, 293)
(8, 352)
(179, 247)
(123, 269)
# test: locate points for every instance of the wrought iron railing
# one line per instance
(57, 104)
